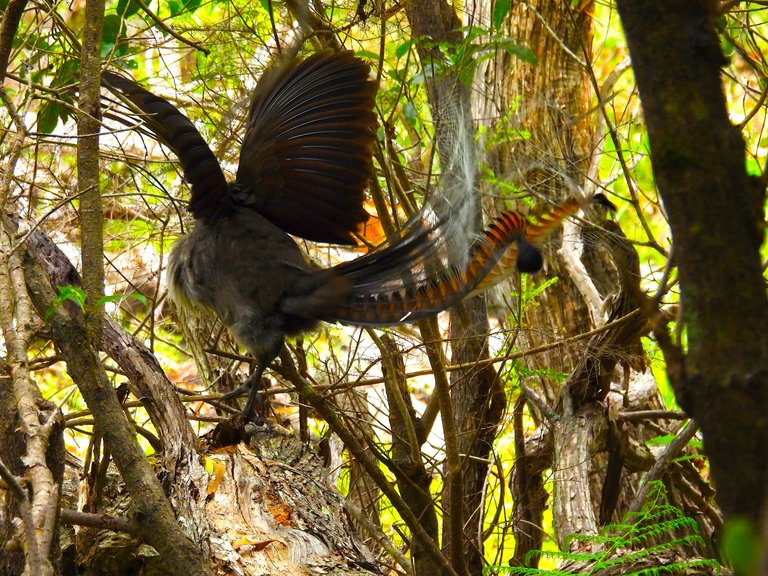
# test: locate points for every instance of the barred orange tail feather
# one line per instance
(509, 243)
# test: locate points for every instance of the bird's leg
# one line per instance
(255, 397)
(264, 354)
(253, 385)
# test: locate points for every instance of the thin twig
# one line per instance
(376, 533)
(674, 448)
(543, 406)
(162, 25)
(102, 521)
(653, 415)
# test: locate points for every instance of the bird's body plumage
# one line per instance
(215, 264)
(305, 162)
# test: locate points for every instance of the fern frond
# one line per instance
(645, 543)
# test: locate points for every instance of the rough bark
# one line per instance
(88, 169)
(288, 520)
(14, 447)
(551, 164)
(543, 100)
(715, 213)
(595, 478)
(69, 334)
(480, 402)
(11, 18)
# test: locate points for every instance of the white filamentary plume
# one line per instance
(454, 202)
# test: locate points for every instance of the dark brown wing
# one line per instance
(306, 157)
(210, 195)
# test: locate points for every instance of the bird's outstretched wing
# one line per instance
(306, 157)
(210, 194)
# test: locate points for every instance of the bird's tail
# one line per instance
(400, 283)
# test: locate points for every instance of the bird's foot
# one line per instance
(256, 399)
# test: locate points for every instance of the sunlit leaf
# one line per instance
(500, 10)
(127, 8)
(66, 293)
(660, 440)
(177, 7)
(403, 48)
(117, 297)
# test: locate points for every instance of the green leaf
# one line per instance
(467, 73)
(525, 54)
(116, 297)
(49, 115)
(403, 48)
(127, 8)
(660, 440)
(54, 110)
(72, 293)
(500, 10)
(113, 25)
(77, 295)
(176, 7)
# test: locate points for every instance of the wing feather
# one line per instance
(306, 157)
(210, 191)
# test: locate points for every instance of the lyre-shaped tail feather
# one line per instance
(509, 243)
(518, 256)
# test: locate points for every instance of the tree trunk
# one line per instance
(551, 164)
(13, 455)
(594, 456)
(476, 403)
(715, 212)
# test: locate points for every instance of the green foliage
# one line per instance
(67, 293)
(179, 7)
(117, 297)
(53, 111)
(740, 544)
(77, 295)
(658, 528)
(500, 10)
(477, 44)
(127, 7)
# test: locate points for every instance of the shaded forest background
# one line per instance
(576, 420)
